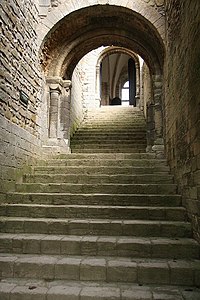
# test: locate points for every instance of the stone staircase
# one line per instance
(104, 222)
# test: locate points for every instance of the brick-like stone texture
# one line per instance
(19, 58)
(18, 147)
(182, 106)
(77, 108)
(19, 121)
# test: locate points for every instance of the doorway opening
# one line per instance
(118, 79)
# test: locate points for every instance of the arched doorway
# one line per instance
(111, 69)
(90, 28)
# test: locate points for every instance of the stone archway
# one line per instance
(102, 25)
(113, 50)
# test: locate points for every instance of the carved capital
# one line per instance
(67, 84)
(54, 83)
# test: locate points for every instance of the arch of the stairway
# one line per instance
(113, 50)
(92, 27)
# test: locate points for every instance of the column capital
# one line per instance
(67, 84)
(54, 83)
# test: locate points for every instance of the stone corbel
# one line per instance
(54, 83)
(67, 84)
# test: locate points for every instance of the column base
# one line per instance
(159, 148)
(56, 146)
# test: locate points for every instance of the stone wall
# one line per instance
(182, 102)
(77, 108)
(19, 89)
(18, 148)
(20, 83)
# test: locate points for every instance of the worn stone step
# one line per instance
(107, 150)
(89, 170)
(75, 178)
(119, 146)
(110, 128)
(105, 156)
(97, 188)
(104, 162)
(33, 289)
(102, 269)
(107, 140)
(112, 131)
(93, 212)
(114, 127)
(112, 136)
(142, 228)
(109, 121)
(95, 199)
(122, 246)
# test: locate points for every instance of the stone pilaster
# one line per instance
(158, 146)
(55, 89)
(59, 115)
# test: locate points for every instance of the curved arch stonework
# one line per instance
(69, 32)
(114, 50)
(153, 10)
(102, 25)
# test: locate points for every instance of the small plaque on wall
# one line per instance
(24, 98)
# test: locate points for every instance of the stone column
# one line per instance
(59, 115)
(55, 89)
(158, 146)
(150, 126)
(65, 109)
(97, 86)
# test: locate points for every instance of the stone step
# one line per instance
(139, 228)
(95, 129)
(105, 156)
(104, 162)
(113, 146)
(97, 188)
(107, 140)
(93, 212)
(95, 199)
(110, 131)
(111, 135)
(79, 178)
(109, 170)
(25, 289)
(114, 125)
(175, 248)
(102, 269)
(107, 150)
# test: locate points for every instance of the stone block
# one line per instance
(79, 227)
(51, 245)
(63, 293)
(40, 267)
(181, 273)
(153, 273)
(5, 289)
(89, 245)
(107, 246)
(7, 266)
(136, 293)
(24, 293)
(68, 268)
(134, 247)
(162, 293)
(32, 244)
(71, 245)
(35, 226)
(5, 243)
(122, 271)
(99, 293)
(93, 269)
